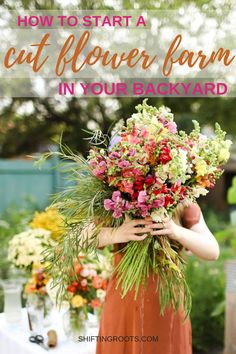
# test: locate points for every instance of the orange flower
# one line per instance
(71, 289)
(78, 269)
(97, 282)
(95, 303)
(30, 288)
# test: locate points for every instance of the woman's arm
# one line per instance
(198, 239)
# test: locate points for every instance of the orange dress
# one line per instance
(131, 326)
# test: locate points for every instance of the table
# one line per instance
(14, 338)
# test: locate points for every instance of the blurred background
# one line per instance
(31, 126)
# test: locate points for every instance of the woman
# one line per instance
(136, 326)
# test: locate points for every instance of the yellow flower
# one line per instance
(77, 301)
(201, 167)
(36, 266)
(50, 220)
(224, 155)
(152, 129)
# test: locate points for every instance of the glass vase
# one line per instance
(12, 300)
(40, 309)
(75, 323)
(94, 317)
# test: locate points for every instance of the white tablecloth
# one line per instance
(14, 339)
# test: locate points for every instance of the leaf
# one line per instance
(219, 309)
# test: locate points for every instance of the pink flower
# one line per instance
(84, 282)
(172, 127)
(142, 197)
(137, 172)
(150, 147)
(144, 133)
(117, 213)
(92, 163)
(100, 169)
(127, 205)
(162, 118)
(127, 187)
(108, 204)
(135, 140)
(144, 210)
(158, 203)
(114, 155)
(116, 196)
(102, 165)
(123, 164)
(127, 173)
(133, 137)
(132, 152)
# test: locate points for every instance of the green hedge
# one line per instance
(207, 283)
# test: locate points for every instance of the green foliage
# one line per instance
(81, 205)
(215, 220)
(207, 283)
(47, 122)
(12, 221)
(231, 193)
(124, 4)
(167, 263)
(49, 117)
(227, 238)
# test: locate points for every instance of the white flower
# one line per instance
(183, 158)
(165, 111)
(91, 265)
(159, 214)
(101, 294)
(105, 274)
(85, 272)
(92, 273)
(27, 247)
(118, 127)
(199, 191)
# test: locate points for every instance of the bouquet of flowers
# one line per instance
(90, 286)
(37, 283)
(26, 248)
(85, 294)
(147, 169)
(36, 294)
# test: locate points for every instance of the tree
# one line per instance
(25, 131)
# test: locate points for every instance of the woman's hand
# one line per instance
(198, 239)
(165, 228)
(132, 230)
